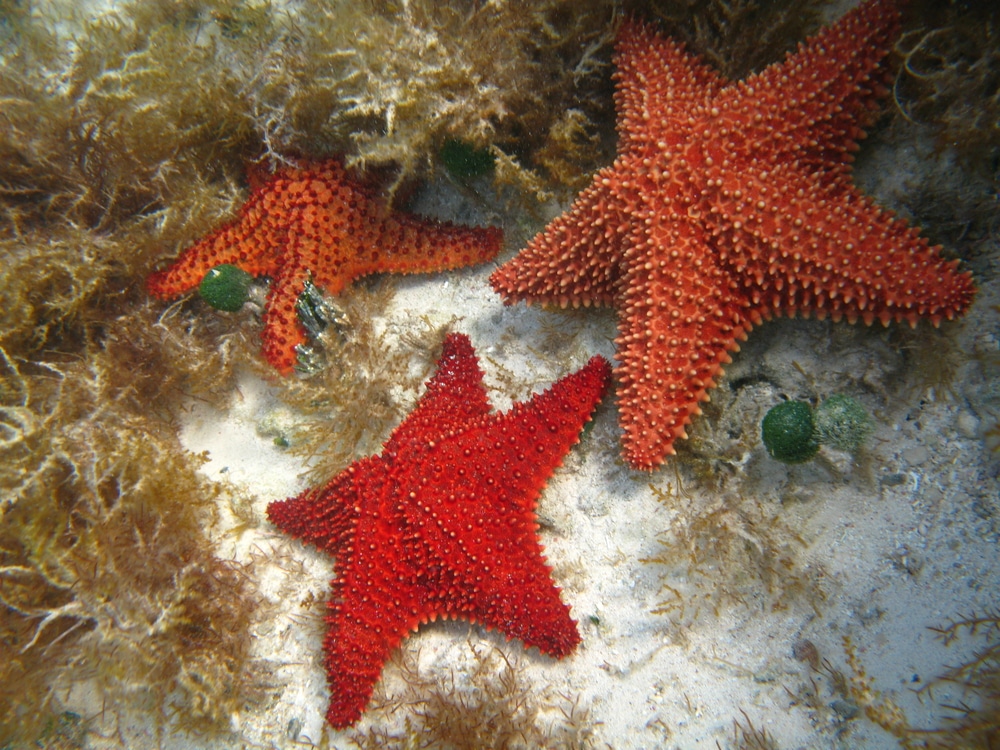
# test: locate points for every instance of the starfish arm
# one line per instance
(819, 100)
(536, 434)
(373, 603)
(455, 396)
(574, 261)
(658, 85)
(404, 243)
(326, 517)
(825, 249)
(354, 662)
(247, 242)
(521, 601)
(342, 231)
(680, 317)
(373, 607)
(283, 332)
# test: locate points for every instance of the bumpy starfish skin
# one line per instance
(729, 203)
(442, 523)
(315, 222)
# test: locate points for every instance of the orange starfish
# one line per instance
(315, 223)
(442, 523)
(729, 203)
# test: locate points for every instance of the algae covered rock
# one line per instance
(843, 423)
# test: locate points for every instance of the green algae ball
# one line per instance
(843, 422)
(226, 287)
(789, 432)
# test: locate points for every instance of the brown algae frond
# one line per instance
(391, 83)
(107, 577)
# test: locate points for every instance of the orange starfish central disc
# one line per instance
(729, 203)
(315, 222)
(442, 523)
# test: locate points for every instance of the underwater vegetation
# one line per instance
(749, 737)
(107, 154)
(226, 287)
(789, 432)
(949, 79)
(972, 722)
(729, 550)
(490, 706)
(392, 83)
(107, 576)
(842, 422)
(358, 386)
(834, 696)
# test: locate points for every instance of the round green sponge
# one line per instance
(842, 422)
(789, 432)
(225, 287)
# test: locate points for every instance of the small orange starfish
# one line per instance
(316, 223)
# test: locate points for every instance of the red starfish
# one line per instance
(729, 203)
(442, 524)
(315, 222)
